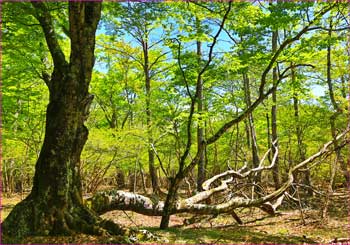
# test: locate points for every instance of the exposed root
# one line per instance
(33, 218)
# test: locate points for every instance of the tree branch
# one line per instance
(43, 15)
(120, 200)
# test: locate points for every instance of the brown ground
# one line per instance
(285, 228)
(131, 219)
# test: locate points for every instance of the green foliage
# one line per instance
(118, 139)
(24, 94)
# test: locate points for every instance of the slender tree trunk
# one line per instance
(268, 135)
(251, 127)
(343, 86)
(299, 133)
(332, 120)
(152, 169)
(237, 144)
(200, 129)
(274, 135)
(247, 132)
(336, 108)
(252, 133)
(201, 176)
(55, 204)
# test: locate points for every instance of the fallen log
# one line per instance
(103, 202)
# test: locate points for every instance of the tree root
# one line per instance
(33, 218)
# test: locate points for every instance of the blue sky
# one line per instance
(224, 44)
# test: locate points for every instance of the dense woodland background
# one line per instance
(170, 76)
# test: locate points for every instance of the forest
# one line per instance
(206, 122)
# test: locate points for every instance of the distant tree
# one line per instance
(141, 21)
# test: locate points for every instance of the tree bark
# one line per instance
(169, 203)
(120, 200)
(274, 135)
(251, 128)
(184, 170)
(55, 204)
(146, 66)
(200, 129)
(299, 133)
(336, 108)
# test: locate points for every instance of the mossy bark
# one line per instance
(55, 204)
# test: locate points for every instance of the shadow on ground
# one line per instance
(226, 235)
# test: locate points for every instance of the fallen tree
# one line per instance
(185, 166)
(103, 202)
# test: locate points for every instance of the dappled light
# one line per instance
(218, 122)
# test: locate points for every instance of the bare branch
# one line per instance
(157, 59)
(289, 41)
(250, 109)
(210, 55)
(120, 200)
(330, 29)
(203, 195)
(238, 174)
(181, 69)
(159, 160)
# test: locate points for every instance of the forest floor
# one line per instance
(287, 227)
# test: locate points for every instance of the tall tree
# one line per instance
(253, 144)
(200, 108)
(140, 21)
(185, 169)
(337, 110)
(274, 112)
(55, 204)
(299, 131)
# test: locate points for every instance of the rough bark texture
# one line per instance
(55, 204)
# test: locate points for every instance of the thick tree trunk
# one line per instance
(169, 204)
(55, 204)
